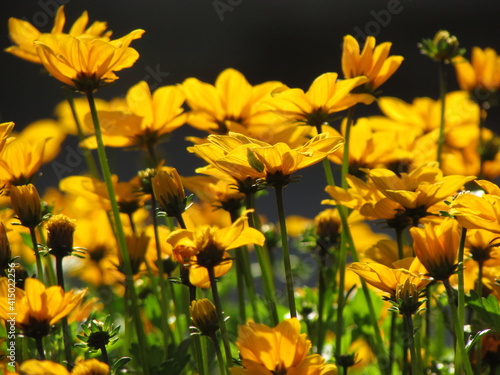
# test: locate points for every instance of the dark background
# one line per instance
(290, 41)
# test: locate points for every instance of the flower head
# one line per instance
(204, 316)
(231, 105)
(27, 205)
(169, 192)
(481, 73)
(60, 230)
(436, 245)
(86, 64)
(443, 47)
(279, 350)
(207, 247)
(325, 96)
(38, 307)
(373, 62)
(24, 34)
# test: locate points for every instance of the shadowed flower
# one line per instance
(279, 350)
(24, 34)
(373, 62)
(169, 192)
(86, 64)
(38, 307)
(27, 205)
(204, 316)
(207, 246)
(436, 245)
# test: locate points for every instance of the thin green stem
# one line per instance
(462, 362)
(65, 326)
(392, 339)
(342, 259)
(218, 354)
(481, 146)
(89, 159)
(479, 291)
(50, 273)
(39, 347)
(39, 266)
(415, 359)
(322, 290)
(201, 361)
(240, 282)
(399, 241)
(380, 348)
(286, 252)
(442, 97)
(161, 278)
(265, 266)
(104, 355)
(220, 315)
(103, 160)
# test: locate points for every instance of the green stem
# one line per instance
(322, 290)
(218, 354)
(442, 96)
(65, 326)
(244, 258)
(220, 315)
(399, 241)
(50, 273)
(103, 160)
(481, 146)
(462, 362)
(39, 348)
(341, 295)
(343, 213)
(161, 278)
(201, 361)
(415, 359)
(39, 266)
(104, 355)
(286, 252)
(479, 291)
(240, 282)
(379, 344)
(265, 266)
(392, 339)
(89, 159)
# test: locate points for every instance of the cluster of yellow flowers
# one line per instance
(159, 261)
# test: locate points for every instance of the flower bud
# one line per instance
(169, 192)
(60, 229)
(25, 201)
(443, 47)
(204, 316)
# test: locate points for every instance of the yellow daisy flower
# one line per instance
(279, 350)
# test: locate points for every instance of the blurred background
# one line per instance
(290, 41)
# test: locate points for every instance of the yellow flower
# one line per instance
(38, 307)
(482, 73)
(207, 246)
(21, 161)
(388, 279)
(5, 250)
(66, 120)
(436, 245)
(87, 367)
(95, 191)
(52, 133)
(169, 192)
(86, 64)
(279, 350)
(373, 62)
(5, 137)
(27, 205)
(24, 34)
(145, 121)
(478, 212)
(204, 316)
(325, 96)
(60, 230)
(231, 105)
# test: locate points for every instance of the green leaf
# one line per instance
(121, 362)
(254, 162)
(487, 309)
(476, 337)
